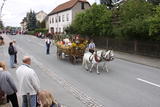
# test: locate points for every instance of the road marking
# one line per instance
(151, 83)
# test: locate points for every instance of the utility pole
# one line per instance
(1, 8)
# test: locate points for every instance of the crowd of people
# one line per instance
(28, 82)
(29, 87)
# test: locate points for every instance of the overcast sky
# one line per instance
(14, 10)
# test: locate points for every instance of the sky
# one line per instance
(15, 10)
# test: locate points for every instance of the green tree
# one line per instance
(132, 15)
(154, 24)
(41, 24)
(31, 21)
(95, 21)
(1, 24)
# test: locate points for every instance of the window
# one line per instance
(63, 18)
(50, 21)
(53, 20)
(82, 5)
(67, 17)
(59, 18)
(56, 19)
(59, 29)
(56, 29)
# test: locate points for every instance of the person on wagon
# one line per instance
(92, 46)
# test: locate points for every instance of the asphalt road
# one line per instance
(126, 84)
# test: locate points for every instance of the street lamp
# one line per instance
(1, 9)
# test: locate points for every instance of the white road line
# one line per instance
(151, 83)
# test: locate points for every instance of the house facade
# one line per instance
(24, 25)
(40, 16)
(63, 15)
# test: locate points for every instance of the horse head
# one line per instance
(108, 55)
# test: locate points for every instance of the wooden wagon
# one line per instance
(75, 54)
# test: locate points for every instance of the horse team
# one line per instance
(98, 57)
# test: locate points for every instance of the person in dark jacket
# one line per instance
(11, 52)
(7, 85)
(48, 43)
(15, 51)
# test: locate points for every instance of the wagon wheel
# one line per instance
(59, 53)
(72, 59)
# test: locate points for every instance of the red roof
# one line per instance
(67, 5)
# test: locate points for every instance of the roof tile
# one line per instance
(65, 6)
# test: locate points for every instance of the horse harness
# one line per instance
(96, 58)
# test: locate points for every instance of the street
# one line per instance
(126, 84)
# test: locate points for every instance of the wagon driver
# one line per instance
(92, 46)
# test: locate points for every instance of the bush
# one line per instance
(42, 30)
(30, 32)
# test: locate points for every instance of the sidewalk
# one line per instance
(149, 61)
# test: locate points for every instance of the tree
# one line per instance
(1, 25)
(95, 21)
(31, 21)
(154, 24)
(132, 19)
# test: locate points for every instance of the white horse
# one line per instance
(96, 58)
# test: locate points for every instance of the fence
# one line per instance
(134, 47)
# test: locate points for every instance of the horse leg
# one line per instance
(97, 69)
(87, 63)
(84, 64)
(106, 67)
(103, 66)
(92, 65)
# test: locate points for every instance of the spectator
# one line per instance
(8, 86)
(46, 99)
(11, 52)
(1, 40)
(29, 84)
(48, 43)
(15, 52)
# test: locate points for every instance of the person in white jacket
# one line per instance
(29, 84)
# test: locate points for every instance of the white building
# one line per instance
(63, 15)
(24, 25)
(40, 16)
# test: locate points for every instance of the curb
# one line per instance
(137, 62)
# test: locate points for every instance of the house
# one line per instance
(24, 25)
(40, 16)
(63, 15)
